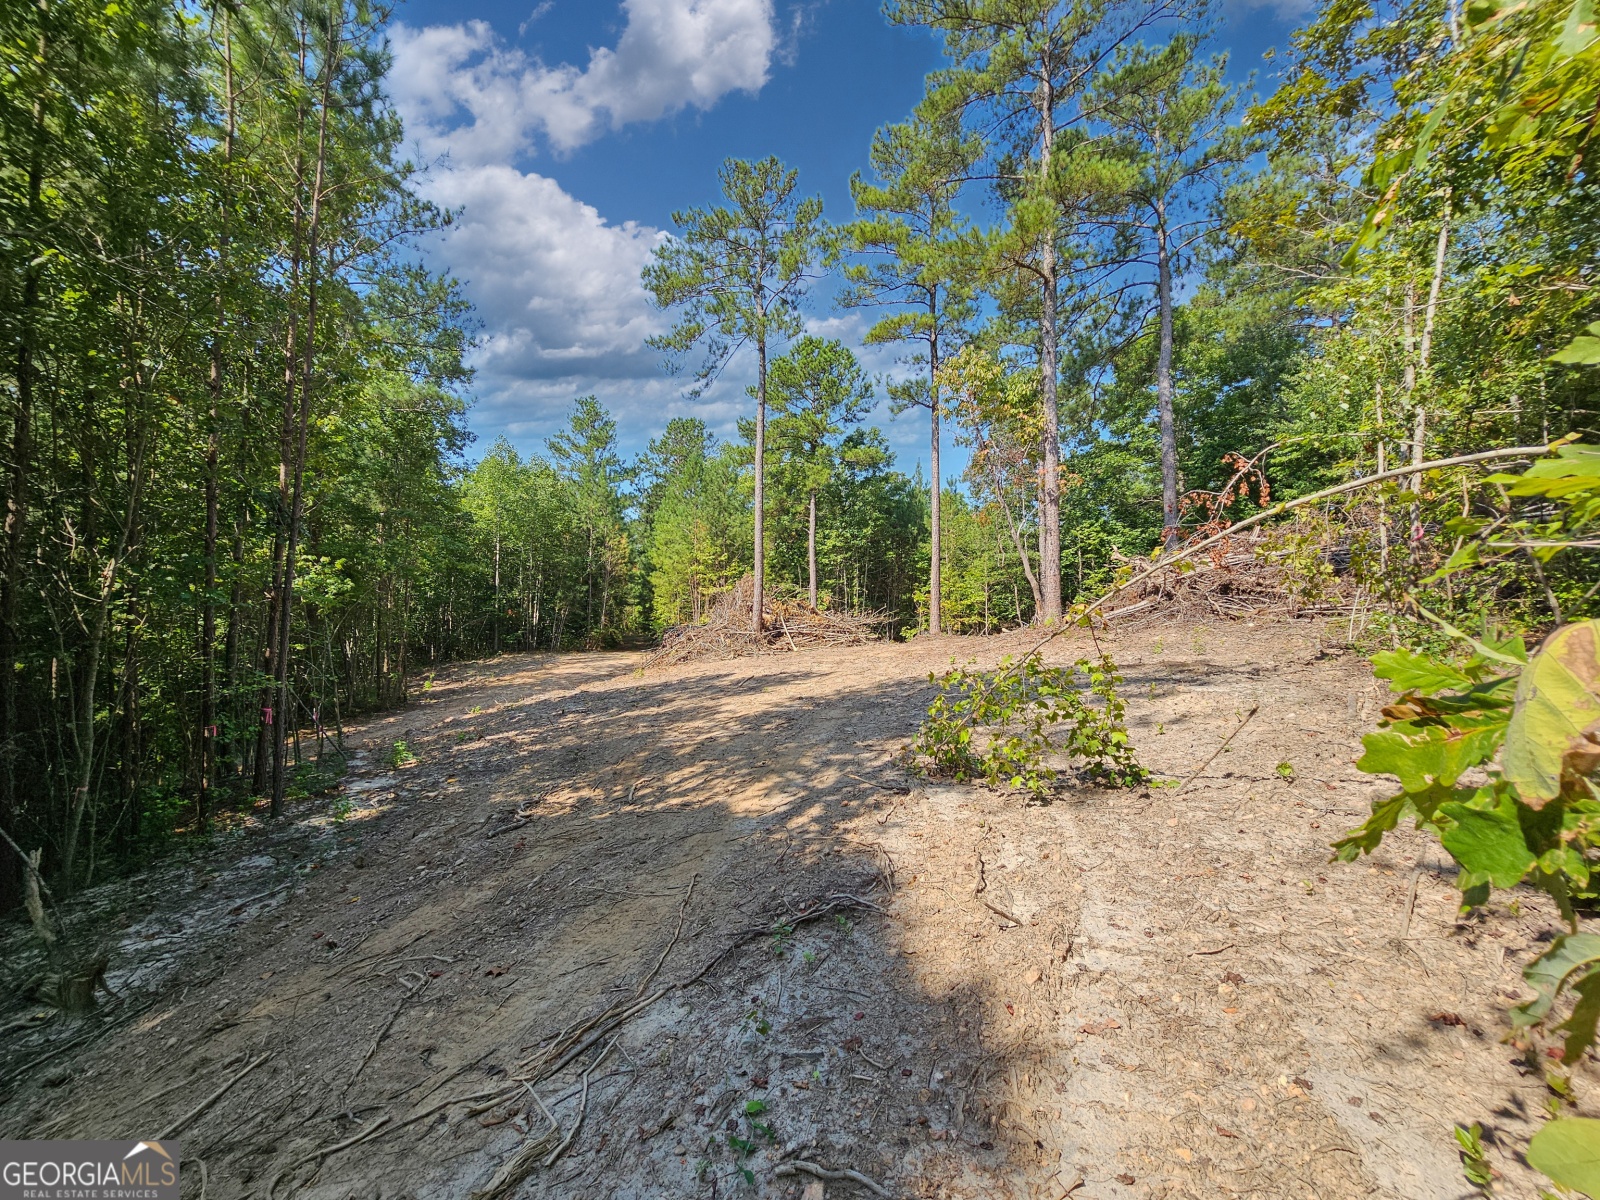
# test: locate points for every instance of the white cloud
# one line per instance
(462, 89)
(555, 284)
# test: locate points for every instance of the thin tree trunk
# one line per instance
(208, 612)
(1169, 430)
(1425, 349)
(811, 547)
(1016, 540)
(84, 730)
(1050, 482)
(935, 583)
(761, 444)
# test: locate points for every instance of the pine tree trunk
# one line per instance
(1169, 430)
(1050, 472)
(761, 445)
(330, 66)
(208, 612)
(935, 583)
(811, 547)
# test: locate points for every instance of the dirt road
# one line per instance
(617, 934)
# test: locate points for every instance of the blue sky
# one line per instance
(567, 131)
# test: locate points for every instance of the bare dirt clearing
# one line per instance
(700, 919)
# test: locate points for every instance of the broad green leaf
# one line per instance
(1584, 350)
(1569, 953)
(1420, 755)
(1558, 703)
(1407, 671)
(1568, 1150)
(1489, 842)
(1578, 34)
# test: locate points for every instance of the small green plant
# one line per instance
(427, 684)
(342, 808)
(743, 1148)
(780, 939)
(1474, 1160)
(1285, 769)
(1000, 725)
(758, 1021)
(400, 754)
(475, 709)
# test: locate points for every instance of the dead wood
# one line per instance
(1254, 708)
(172, 1129)
(799, 1165)
(787, 623)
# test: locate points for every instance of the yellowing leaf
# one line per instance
(1557, 705)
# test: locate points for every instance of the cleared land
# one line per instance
(715, 928)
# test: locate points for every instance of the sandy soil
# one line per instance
(717, 931)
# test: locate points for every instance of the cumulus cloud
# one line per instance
(555, 284)
(558, 284)
(466, 91)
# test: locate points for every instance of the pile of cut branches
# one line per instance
(1253, 575)
(788, 623)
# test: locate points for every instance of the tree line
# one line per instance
(238, 505)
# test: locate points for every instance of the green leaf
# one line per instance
(1420, 755)
(1546, 975)
(1578, 34)
(1489, 841)
(1366, 837)
(1557, 706)
(1580, 1025)
(1429, 128)
(1584, 350)
(1407, 671)
(1568, 1150)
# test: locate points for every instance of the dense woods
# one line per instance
(240, 500)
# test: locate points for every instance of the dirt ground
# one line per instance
(700, 918)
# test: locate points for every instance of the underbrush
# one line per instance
(1003, 726)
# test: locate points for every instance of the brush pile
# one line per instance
(1251, 576)
(788, 623)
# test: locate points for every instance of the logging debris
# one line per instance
(788, 624)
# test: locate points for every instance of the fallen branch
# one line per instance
(1277, 510)
(172, 1129)
(382, 1033)
(326, 1152)
(798, 1165)
(1254, 708)
(1000, 912)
